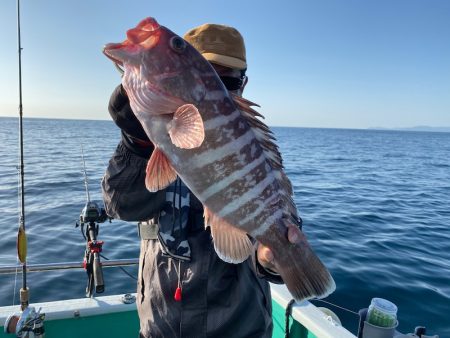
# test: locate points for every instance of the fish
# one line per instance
(217, 143)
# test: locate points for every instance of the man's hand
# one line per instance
(265, 255)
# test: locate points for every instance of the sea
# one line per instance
(375, 206)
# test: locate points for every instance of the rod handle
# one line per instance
(98, 275)
(24, 298)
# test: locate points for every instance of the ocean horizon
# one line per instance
(421, 128)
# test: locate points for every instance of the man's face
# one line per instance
(231, 78)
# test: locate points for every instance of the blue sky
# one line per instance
(316, 63)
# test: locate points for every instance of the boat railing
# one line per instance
(17, 268)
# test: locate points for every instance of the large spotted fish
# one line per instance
(220, 148)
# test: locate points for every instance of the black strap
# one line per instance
(287, 314)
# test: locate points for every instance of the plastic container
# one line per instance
(382, 313)
(373, 331)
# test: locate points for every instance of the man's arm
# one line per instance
(122, 115)
(123, 185)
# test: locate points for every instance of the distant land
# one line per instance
(417, 128)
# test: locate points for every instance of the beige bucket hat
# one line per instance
(219, 44)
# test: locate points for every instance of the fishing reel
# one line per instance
(92, 213)
(27, 324)
(91, 216)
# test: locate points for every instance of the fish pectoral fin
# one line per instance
(159, 172)
(186, 128)
(232, 244)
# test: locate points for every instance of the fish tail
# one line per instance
(302, 271)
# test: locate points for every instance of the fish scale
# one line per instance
(221, 150)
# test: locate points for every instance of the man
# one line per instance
(184, 288)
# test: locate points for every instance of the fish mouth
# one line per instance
(111, 47)
(144, 35)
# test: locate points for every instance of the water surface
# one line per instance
(375, 205)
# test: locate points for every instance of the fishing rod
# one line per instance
(86, 186)
(92, 215)
(28, 321)
(21, 235)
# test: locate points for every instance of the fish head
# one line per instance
(161, 70)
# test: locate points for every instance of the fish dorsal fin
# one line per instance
(231, 244)
(263, 134)
(186, 128)
(271, 151)
(159, 172)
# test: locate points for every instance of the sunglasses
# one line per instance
(232, 83)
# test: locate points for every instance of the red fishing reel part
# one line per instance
(95, 246)
(92, 247)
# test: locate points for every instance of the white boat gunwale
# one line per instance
(307, 314)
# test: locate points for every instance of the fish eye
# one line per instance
(177, 44)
